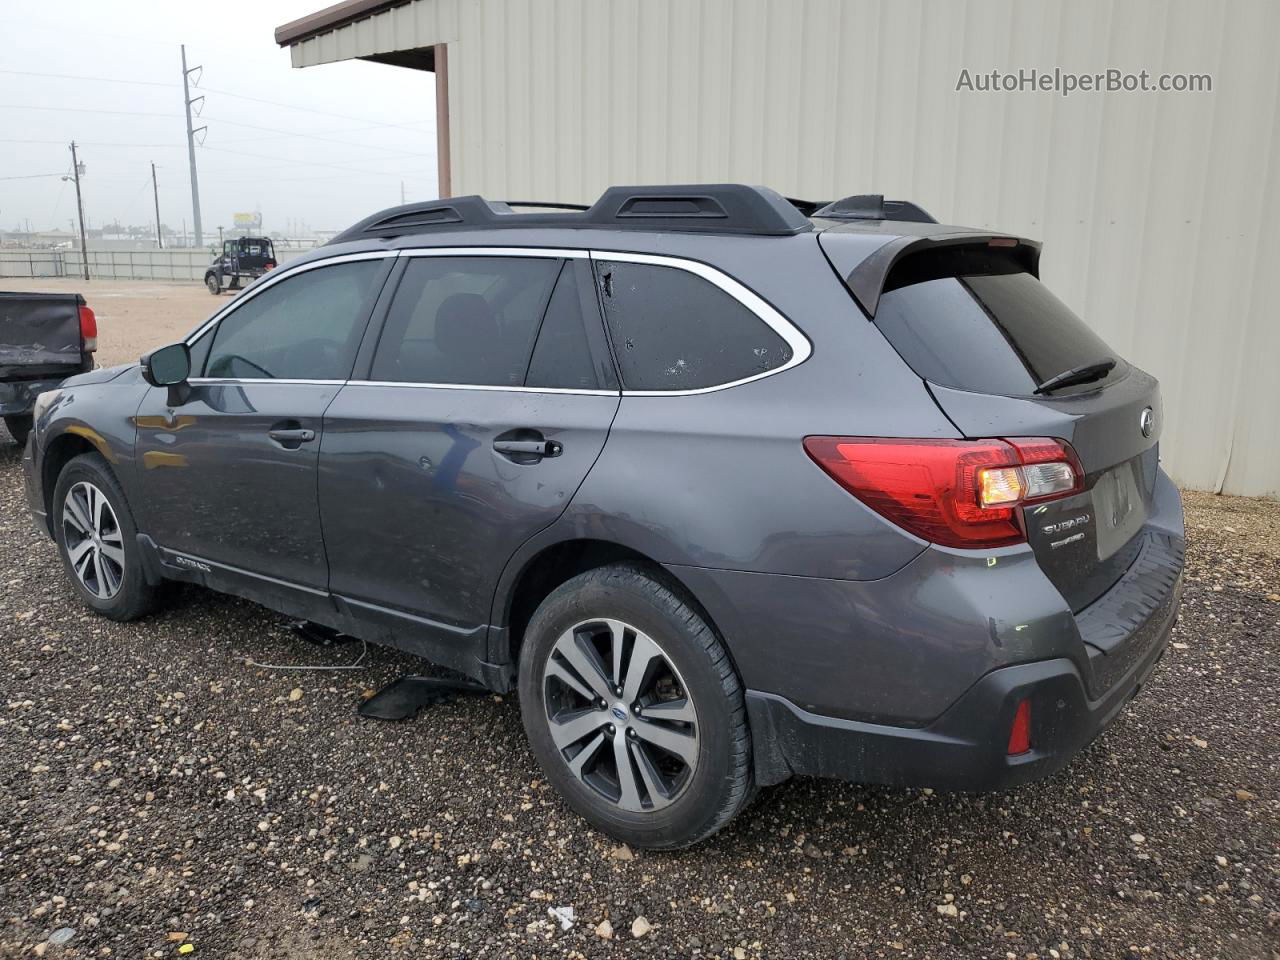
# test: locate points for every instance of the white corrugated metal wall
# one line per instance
(1157, 210)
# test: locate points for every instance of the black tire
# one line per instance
(721, 783)
(19, 426)
(134, 597)
(213, 283)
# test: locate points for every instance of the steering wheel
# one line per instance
(231, 359)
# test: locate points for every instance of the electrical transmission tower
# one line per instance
(191, 139)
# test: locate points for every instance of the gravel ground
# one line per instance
(160, 791)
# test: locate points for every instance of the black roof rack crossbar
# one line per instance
(872, 206)
(807, 207)
(699, 208)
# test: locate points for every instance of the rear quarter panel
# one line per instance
(721, 479)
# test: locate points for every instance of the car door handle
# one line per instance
(292, 437)
(528, 448)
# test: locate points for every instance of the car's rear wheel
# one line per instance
(19, 426)
(211, 281)
(634, 710)
(97, 538)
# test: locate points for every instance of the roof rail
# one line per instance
(695, 208)
(873, 206)
(547, 204)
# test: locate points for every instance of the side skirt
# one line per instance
(448, 646)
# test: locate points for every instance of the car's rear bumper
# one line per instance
(966, 747)
(914, 678)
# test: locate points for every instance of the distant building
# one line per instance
(1156, 209)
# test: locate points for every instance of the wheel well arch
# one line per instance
(60, 451)
(560, 562)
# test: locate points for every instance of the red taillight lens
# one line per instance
(88, 330)
(958, 493)
(1020, 732)
(271, 265)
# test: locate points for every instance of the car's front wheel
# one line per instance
(213, 283)
(634, 710)
(97, 538)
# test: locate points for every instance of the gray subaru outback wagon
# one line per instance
(729, 487)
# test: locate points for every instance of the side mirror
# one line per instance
(169, 367)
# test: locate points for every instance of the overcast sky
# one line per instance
(325, 145)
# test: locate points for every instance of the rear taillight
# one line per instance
(88, 330)
(271, 265)
(1020, 732)
(958, 493)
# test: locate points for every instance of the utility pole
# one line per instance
(84, 244)
(191, 142)
(402, 193)
(155, 192)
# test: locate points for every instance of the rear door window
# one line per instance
(1002, 333)
(562, 357)
(673, 330)
(465, 320)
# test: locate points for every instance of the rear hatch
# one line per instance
(39, 335)
(256, 254)
(967, 312)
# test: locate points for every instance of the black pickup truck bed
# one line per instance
(44, 338)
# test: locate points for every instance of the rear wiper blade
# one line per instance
(1086, 374)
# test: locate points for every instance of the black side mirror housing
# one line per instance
(169, 367)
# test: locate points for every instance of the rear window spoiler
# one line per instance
(874, 274)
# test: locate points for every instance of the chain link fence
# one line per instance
(182, 264)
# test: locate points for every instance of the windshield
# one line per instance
(1002, 333)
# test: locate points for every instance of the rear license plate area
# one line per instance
(1119, 509)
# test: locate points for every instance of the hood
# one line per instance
(100, 375)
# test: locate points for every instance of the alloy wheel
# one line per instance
(94, 542)
(620, 715)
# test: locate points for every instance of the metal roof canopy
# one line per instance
(320, 27)
(330, 18)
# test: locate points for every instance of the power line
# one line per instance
(123, 113)
(280, 136)
(94, 143)
(32, 176)
(290, 106)
(225, 93)
(73, 76)
(307, 163)
(231, 123)
(312, 136)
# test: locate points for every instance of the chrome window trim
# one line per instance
(549, 253)
(276, 276)
(801, 348)
(239, 381)
(483, 386)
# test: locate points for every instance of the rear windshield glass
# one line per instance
(999, 333)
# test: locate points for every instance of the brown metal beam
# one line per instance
(442, 119)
